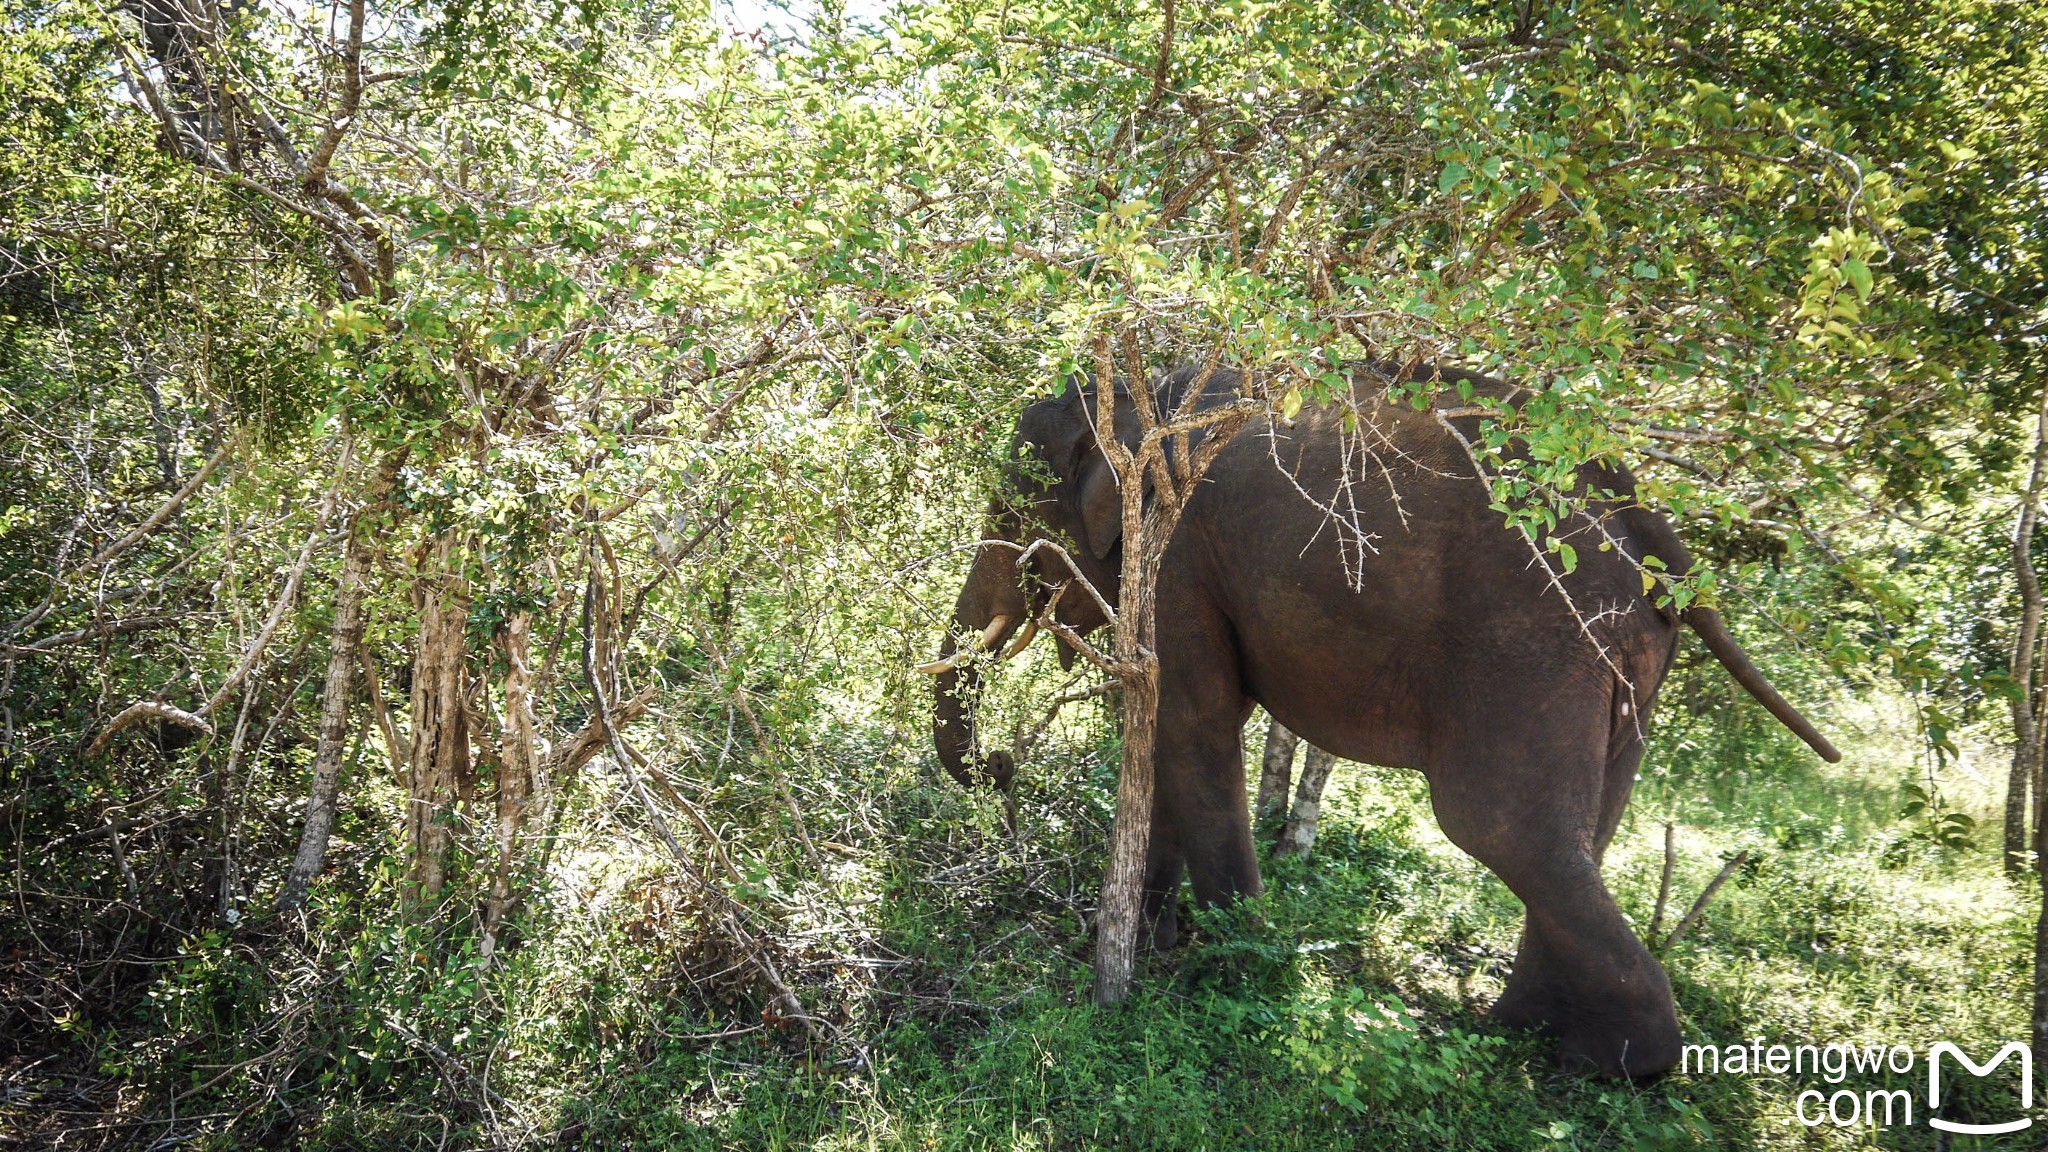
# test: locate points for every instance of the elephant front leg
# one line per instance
(1159, 928)
(1198, 800)
(1201, 788)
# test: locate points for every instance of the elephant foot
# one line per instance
(1161, 933)
(1641, 1054)
(1639, 1042)
(1518, 1008)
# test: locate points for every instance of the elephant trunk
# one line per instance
(953, 733)
(989, 608)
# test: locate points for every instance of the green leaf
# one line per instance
(1859, 277)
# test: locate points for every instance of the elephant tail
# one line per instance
(1714, 633)
(1656, 532)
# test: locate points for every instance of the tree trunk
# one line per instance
(1123, 882)
(1276, 776)
(2041, 991)
(440, 723)
(343, 655)
(323, 796)
(2028, 739)
(2025, 724)
(227, 791)
(1300, 834)
(517, 770)
(2041, 943)
(1144, 540)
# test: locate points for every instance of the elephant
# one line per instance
(1350, 572)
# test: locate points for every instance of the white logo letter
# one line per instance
(1976, 1069)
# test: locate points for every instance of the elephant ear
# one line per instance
(1102, 508)
(1091, 493)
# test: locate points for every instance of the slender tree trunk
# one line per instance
(2041, 992)
(1123, 882)
(396, 746)
(440, 720)
(1300, 834)
(343, 655)
(517, 769)
(2041, 942)
(227, 790)
(2028, 739)
(1276, 777)
(2025, 724)
(1144, 541)
(322, 797)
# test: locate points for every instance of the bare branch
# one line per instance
(1707, 897)
(142, 710)
(1664, 882)
(162, 515)
(113, 628)
(315, 176)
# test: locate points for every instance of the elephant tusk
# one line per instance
(1023, 640)
(993, 634)
(990, 636)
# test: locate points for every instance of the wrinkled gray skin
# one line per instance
(1455, 657)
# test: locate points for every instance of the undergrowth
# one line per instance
(947, 970)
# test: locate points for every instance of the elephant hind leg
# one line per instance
(1580, 973)
(1583, 977)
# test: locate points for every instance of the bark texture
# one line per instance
(1153, 490)
(1299, 837)
(2026, 723)
(1276, 777)
(518, 769)
(343, 657)
(2041, 985)
(440, 720)
(1123, 882)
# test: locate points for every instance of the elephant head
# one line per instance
(1061, 489)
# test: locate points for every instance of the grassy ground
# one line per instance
(1343, 1010)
